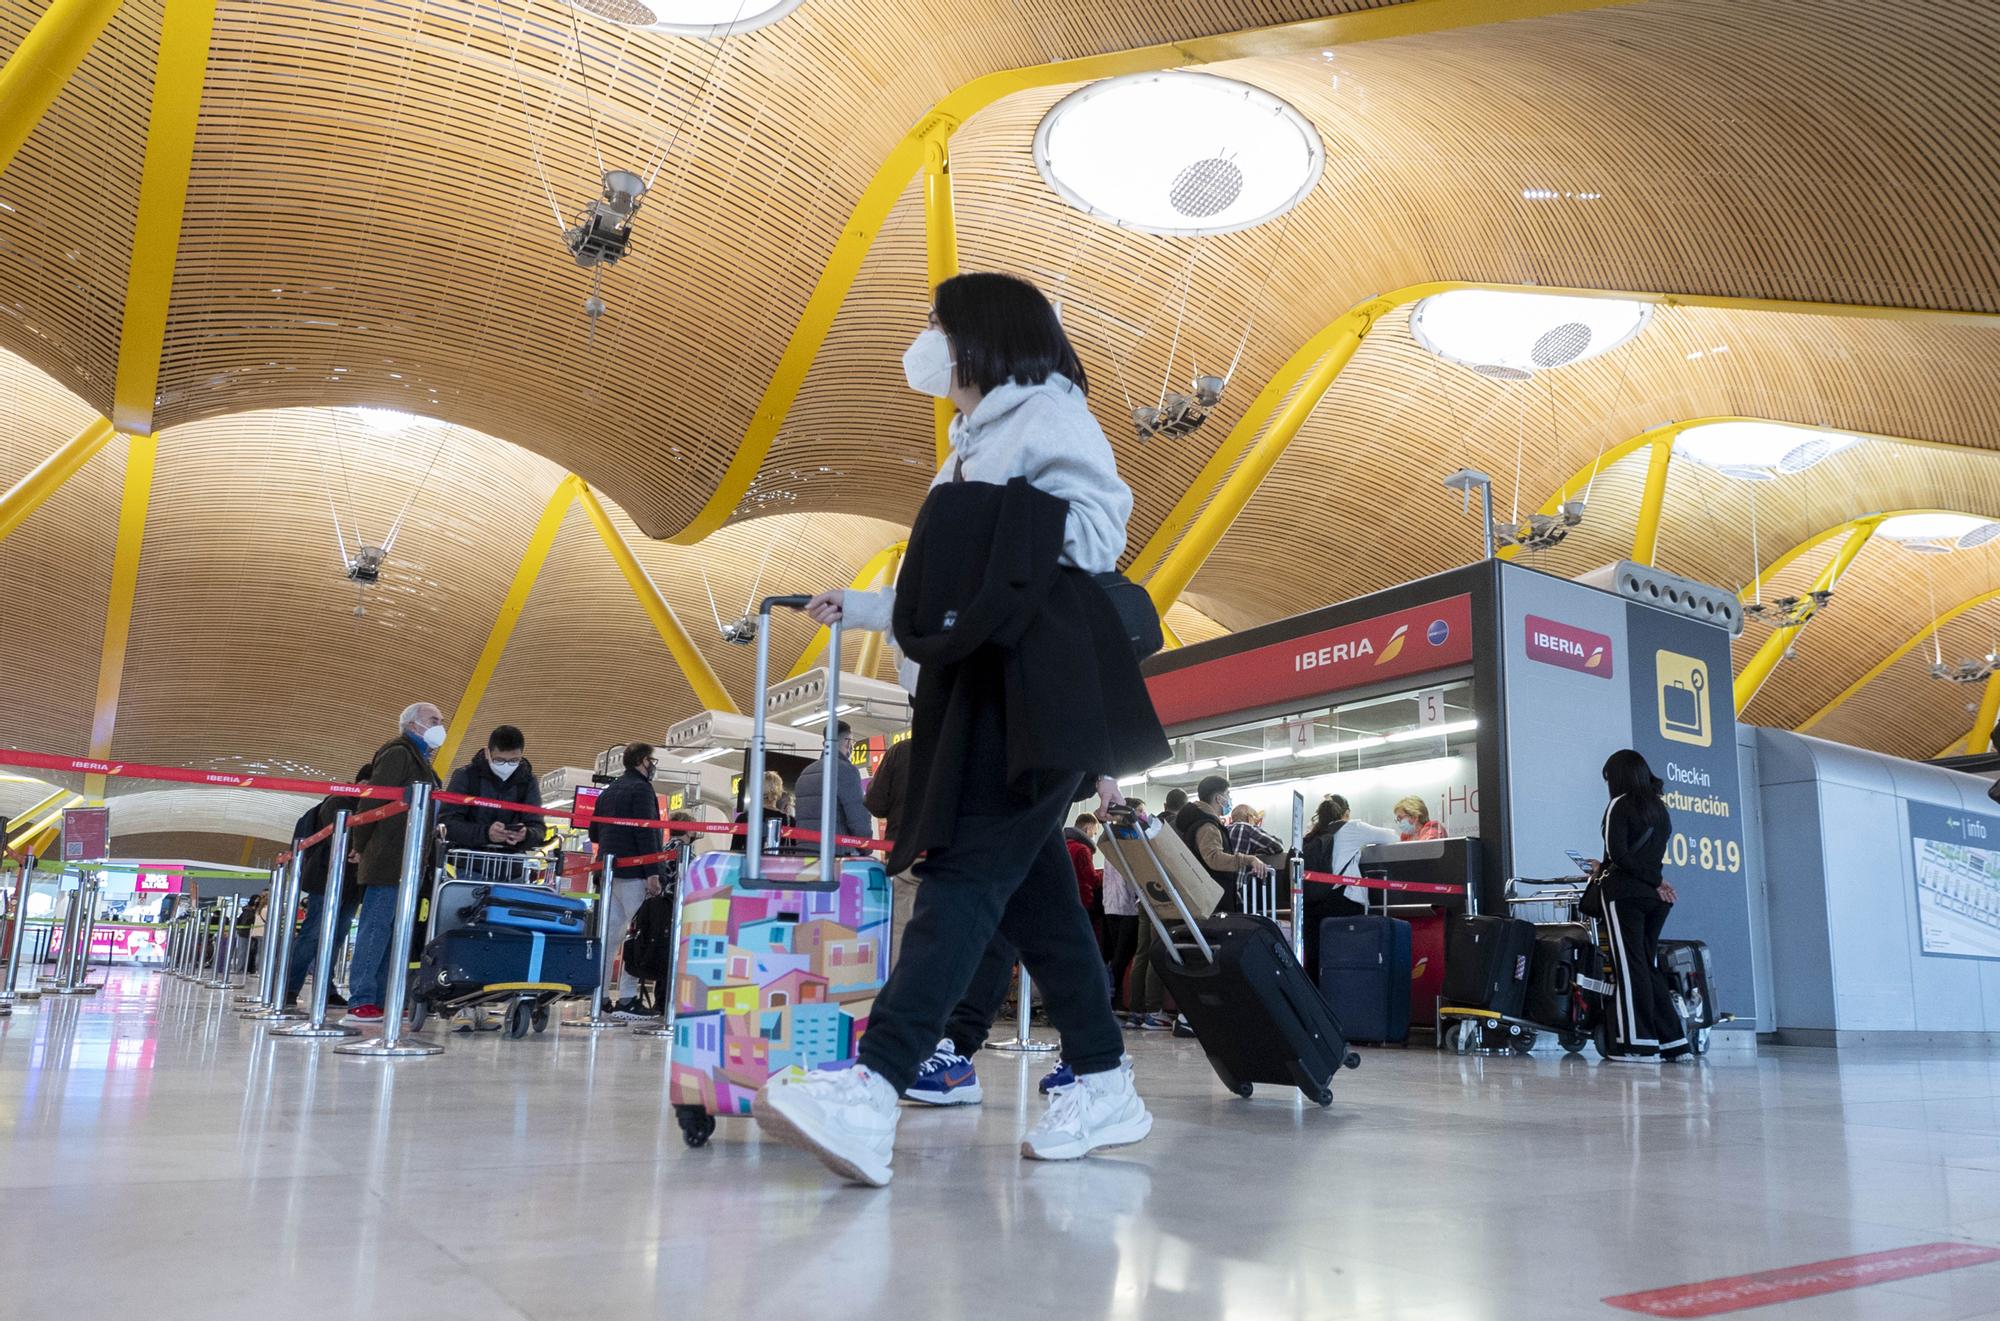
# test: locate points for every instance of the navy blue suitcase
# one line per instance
(527, 908)
(466, 960)
(1364, 973)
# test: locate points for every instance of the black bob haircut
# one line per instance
(1627, 773)
(506, 738)
(1002, 329)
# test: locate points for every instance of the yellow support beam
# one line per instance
(141, 452)
(1766, 659)
(892, 177)
(41, 66)
(163, 185)
(26, 496)
(24, 837)
(525, 575)
(941, 255)
(1814, 542)
(1876, 670)
(884, 563)
(1980, 739)
(1646, 535)
(27, 812)
(708, 689)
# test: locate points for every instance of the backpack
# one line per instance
(649, 951)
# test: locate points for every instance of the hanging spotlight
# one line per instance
(742, 631)
(365, 565)
(1178, 414)
(1789, 611)
(1977, 670)
(1541, 531)
(604, 233)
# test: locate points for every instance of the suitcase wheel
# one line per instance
(1243, 1088)
(1573, 1042)
(1353, 1061)
(697, 1125)
(540, 1018)
(1324, 1096)
(518, 1015)
(419, 1011)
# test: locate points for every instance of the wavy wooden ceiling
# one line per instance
(366, 225)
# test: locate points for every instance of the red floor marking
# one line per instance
(1736, 1292)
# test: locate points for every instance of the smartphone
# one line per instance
(1583, 864)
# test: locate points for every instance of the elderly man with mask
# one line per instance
(402, 761)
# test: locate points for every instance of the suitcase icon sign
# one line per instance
(1683, 682)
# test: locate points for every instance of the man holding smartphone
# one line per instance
(499, 771)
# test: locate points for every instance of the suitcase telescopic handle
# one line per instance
(753, 784)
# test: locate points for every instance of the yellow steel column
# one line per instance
(163, 185)
(1178, 566)
(871, 572)
(1981, 737)
(42, 64)
(940, 247)
(1646, 536)
(708, 689)
(26, 495)
(1767, 656)
(525, 574)
(140, 454)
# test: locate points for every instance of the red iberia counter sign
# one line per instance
(1405, 642)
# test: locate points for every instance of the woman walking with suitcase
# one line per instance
(1027, 692)
(1636, 899)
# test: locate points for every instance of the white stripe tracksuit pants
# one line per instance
(1643, 1021)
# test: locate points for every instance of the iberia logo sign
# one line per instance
(1414, 640)
(1555, 643)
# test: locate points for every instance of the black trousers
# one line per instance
(1121, 933)
(995, 877)
(971, 1020)
(1643, 1021)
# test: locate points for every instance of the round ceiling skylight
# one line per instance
(1758, 451)
(690, 18)
(1178, 153)
(1938, 533)
(1510, 336)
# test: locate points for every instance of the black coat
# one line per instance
(1027, 679)
(631, 795)
(313, 863)
(465, 826)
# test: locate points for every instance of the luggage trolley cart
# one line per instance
(1470, 1031)
(527, 1002)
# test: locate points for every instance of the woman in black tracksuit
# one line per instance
(1644, 1026)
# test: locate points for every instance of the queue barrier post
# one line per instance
(68, 978)
(173, 945)
(56, 976)
(330, 936)
(93, 885)
(665, 1031)
(192, 943)
(1023, 1043)
(599, 1019)
(390, 1045)
(278, 944)
(259, 1000)
(15, 929)
(227, 909)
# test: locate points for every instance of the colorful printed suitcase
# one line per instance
(775, 968)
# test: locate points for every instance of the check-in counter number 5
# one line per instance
(1430, 707)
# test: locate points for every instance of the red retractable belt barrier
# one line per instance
(500, 804)
(1377, 883)
(382, 813)
(43, 761)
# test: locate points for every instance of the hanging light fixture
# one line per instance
(690, 18)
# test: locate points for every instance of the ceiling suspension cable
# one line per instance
(583, 84)
(397, 526)
(711, 93)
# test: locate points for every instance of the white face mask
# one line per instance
(927, 364)
(503, 769)
(433, 737)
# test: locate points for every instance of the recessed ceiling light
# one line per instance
(1938, 534)
(1178, 153)
(690, 18)
(1758, 451)
(1493, 328)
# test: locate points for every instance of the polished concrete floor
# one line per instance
(161, 1158)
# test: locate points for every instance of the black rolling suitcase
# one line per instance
(1257, 1015)
(1486, 963)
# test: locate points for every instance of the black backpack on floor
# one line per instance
(649, 950)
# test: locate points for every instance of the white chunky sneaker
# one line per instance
(1098, 1110)
(846, 1117)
